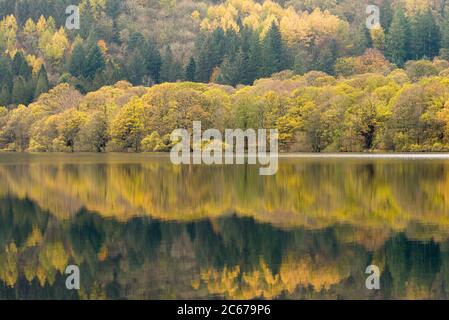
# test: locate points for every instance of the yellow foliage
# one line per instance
(9, 272)
(30, 27)
(35, 63)
(94, 6)
(54, 46)
(302, 27)
(231, 283)
(41, 25)
(35, 238)
(56, 257)
(8, 33)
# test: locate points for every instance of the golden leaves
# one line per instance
(302, 27)
(306, 272)
(8, 33)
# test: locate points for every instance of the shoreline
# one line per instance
(287, 155)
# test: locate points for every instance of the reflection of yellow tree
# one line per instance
(8, 265)
(302, 193)
(317, 273)
(41, 263)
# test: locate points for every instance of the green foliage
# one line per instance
(191, 70)
(170, 69)
(419, 69)
(398, 39)
(77, 62)
(272, 52)
(425, 36)
(19, 91)
(232, 46)
(5, 96)
(229, 44)
(94, 62)
(42, 84)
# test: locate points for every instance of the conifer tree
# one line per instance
(362, 40)
(5, 97)
(397, 42)
(254, 59)
(6, 75)
(230, 73)
(211, 54)
(425, 36)
(445, 33)
(21, 67)
(136, 41)
(272, 51)
(386, 14)
(19, 91)
(77, 62)
(153, 60)
(170, 68)
(42, 84)
(190, 70)
(95, 61)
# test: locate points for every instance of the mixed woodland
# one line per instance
(310, 68)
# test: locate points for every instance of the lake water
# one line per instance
(139, 227)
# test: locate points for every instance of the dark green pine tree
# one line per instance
(272, 51)
(204, 66)
(95, 61)
(6, 73)
(153, 60)
(19, 91)
(113, 8)
(425, 36)
(444, 43)
(386, 14)
(445, 33)
(21, 67)
(361, 40)
(170, 69)
(245, 46)
(135, 72)
(98, 81)
(218, 48)
(112, 73)
(230, 73)
(254, 59)
(18, 61)
(326, 57)
(5, 97)
(211, 52)
(77, 61)
(397, 42)
(232, 42)
(25, 71)
(203, 69)
(88, 22)
(42, 84)
(136, 41)
(190, 70)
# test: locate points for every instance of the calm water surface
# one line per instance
(139, 227)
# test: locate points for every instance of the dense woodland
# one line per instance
(335, 85)
(405, 110)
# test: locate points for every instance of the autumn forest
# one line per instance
(311, 69)
(86, 117)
